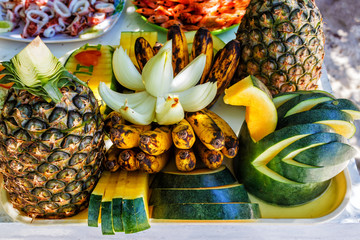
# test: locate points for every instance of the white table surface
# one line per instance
(345, 226)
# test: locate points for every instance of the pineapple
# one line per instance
(282, 44)
(51, 136)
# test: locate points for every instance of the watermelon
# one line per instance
(227, 193)
(250, 166)
(207, 211)
(199, 178)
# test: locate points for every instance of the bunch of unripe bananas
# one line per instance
(201, 135)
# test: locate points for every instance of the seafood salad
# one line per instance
(49, 17)
(193, 14)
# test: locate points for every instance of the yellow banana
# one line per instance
(157, 141)
(206, 130)
(231, 141)
(183, 135)
(127, 136)
(185, 159)
(143, 52)
(111, 120)
(203, 43)
(152, 163)
(127, 160)
(110, 162)
(211, 158)
(224, 67)
(180, 53)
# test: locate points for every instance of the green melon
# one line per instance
(250, 166)
(341, 122)
(199, 178)
(207, 211)
(282, 98)
(95, 200)
(301, 103)
(331, 154)
(285, 164)
(344, 105)
(227, 193)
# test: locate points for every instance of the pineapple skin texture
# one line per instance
(282, 44)
(51, 153)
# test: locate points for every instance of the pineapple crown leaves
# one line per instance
(46, 88)
(38, 71)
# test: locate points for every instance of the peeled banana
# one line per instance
(211, 158)
(127, 136)
(183, 135)
(231, 141)
(152, 163)
(157, 141)
(203, 43)
(143, 52)
(185, 159)
(206, 130)
(180, 53)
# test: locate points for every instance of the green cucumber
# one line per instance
(227, 193)
(194, 179)
(207, 211)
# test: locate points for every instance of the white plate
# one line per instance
(86, 34)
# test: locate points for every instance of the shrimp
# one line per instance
(192, 14)
(169, 23)
(163, 11)
(146, 11)
(190, 18)
(158, 19)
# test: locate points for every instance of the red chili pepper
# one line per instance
(88, 57)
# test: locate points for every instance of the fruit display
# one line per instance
(51, 136)
(295, 162)
(186, 128)
(191, 15)
(282, 44)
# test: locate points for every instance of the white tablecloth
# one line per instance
(343, 226)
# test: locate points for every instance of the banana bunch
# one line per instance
(135, 147)
(201, 135)
(207, 137)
